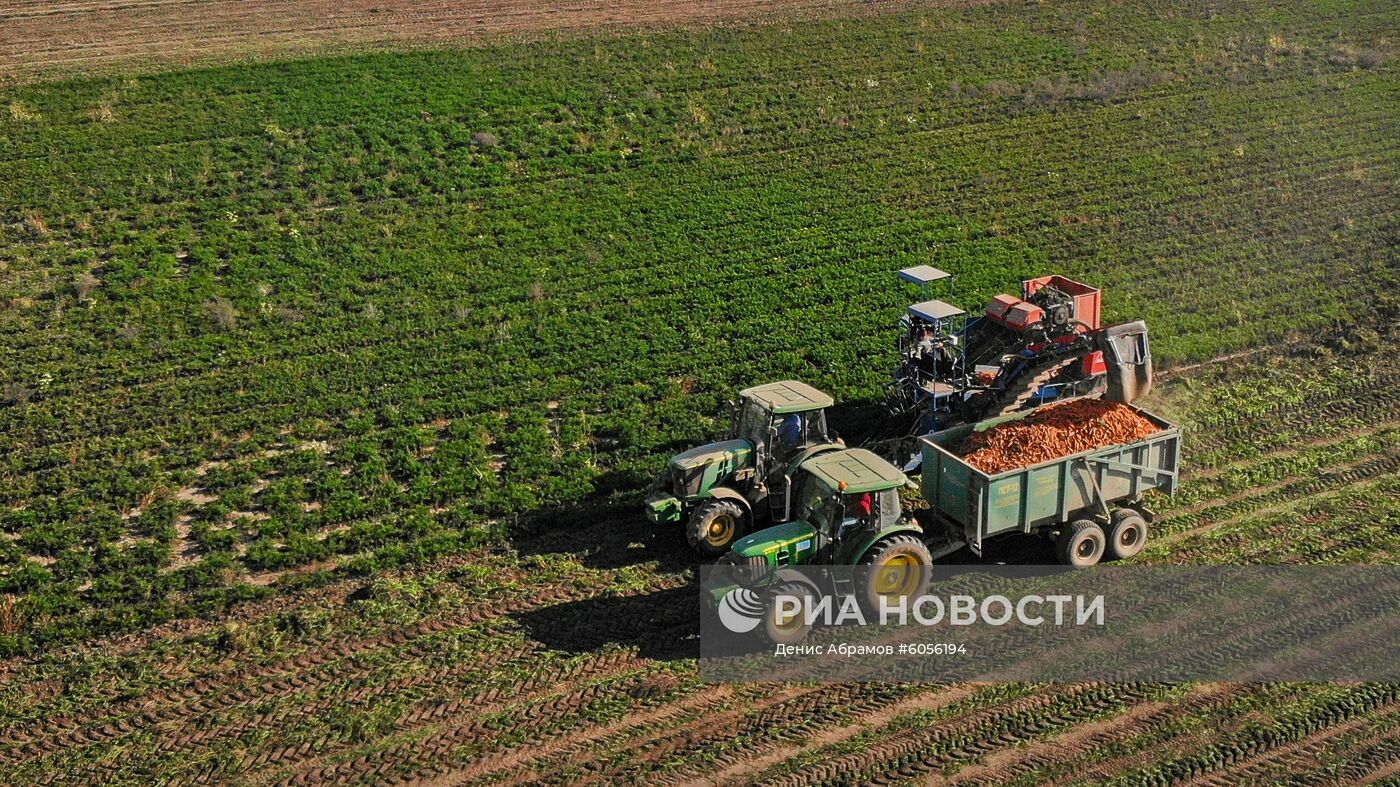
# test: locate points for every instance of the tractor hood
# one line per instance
(700, 456)
(697, 471)
(798, 538)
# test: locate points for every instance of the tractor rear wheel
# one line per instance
(715, 525)
(1081, 544)
(899, 567)
(1127, 534)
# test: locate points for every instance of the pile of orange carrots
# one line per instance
(1052, 432)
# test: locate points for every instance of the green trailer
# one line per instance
(1090, 502)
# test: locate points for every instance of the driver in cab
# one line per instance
(858, 510)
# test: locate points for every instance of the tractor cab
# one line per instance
(845, 500)
(848, 513)
(780, 419)
(848, 497)
(720, 490)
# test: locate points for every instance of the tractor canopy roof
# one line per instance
(789, 396)
(933, 311)
(861, 470)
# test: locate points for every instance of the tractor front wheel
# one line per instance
(714, 526)
(899, 567)
(787, 623)
(1081, 544)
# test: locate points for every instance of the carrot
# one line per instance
(1052, 432)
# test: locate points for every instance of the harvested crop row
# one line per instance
(1053, 432)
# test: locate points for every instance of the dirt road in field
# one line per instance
(59, 38)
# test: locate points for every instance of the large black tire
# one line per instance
(900, 566)
(714, 526)
(1081, 544)
(787, 629)
(1127, 534)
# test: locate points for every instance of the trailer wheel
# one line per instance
(714, 525)
(1080, 544)
(786, 626)
(900, 567)
(1127, 534)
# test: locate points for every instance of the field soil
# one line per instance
(61, 38)
(555, 662)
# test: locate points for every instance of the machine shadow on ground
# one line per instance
(664, 625)
(866, 420)
(603, 535)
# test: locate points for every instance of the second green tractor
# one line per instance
(722, 490)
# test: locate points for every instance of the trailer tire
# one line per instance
(714, 526)
(1081, 544)
(1127, 534)
(790, 629)
(900, 566)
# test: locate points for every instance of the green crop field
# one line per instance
(330, 385)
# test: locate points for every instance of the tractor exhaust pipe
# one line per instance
(1129, 359)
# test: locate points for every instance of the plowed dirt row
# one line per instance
(1372, 400)
(1374, 766)
(1215, 515)
(898, 743)
(44, 38)
(755, 767)
(421, 752)
(630, 734)
(764, 727)
(749, 724)
(1089, 766)
(284, 677)
(1306, 750)
(1244, 755)
(1005, 765)
(461, 723)
(425, 711)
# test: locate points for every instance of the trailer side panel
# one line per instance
(1046, 494)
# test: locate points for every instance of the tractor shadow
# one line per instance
(1014, 549)
(607, 530)
(664, 625)
(605, 537)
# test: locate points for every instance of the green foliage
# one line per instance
(370, 307)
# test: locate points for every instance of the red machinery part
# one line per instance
(1094, 363)
(1024, 314)
(1086, 299)
(1014, 312)
(1000, 305)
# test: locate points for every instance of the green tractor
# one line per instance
(847, 513)
(720, 490)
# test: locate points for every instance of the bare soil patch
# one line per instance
(92, 36)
